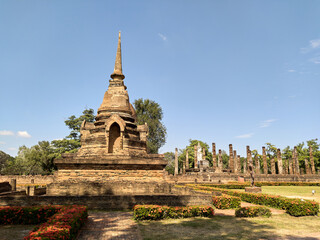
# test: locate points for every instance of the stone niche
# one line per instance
(113, 147)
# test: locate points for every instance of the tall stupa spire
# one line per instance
(117, 72)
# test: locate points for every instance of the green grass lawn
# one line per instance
(281, 226)
(294, 191)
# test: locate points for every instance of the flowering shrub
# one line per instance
(253, 212)
(63, 225)
(226, 202)
(156, 212)
(58, 222)
(294, 207)
(27, 215)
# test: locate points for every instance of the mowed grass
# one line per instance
(294, 191)
(281, 226)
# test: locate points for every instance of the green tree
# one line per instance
(74, 123)
(4, 158)
(150, 112)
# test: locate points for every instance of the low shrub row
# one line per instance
(226, 202)
(26, 215)
(63, 225)
(156, 212)
(295, 207)
(237, 185)
(253, 212)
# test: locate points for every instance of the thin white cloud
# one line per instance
(313, 44)
(163, 37)
(12, 149)
(6, 133)
(292, 96)
(24, 134)
(291, 70)
(266, 123)
(248, 135)
(315, 60)
(2, 143)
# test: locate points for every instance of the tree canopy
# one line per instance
(150, 112)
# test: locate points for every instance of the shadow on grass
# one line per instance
(219, 227)
(10, 232)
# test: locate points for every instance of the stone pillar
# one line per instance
(245, 167)
(195, 156)
(176, 166)
(203, 154)
(187, 159)
(307, 166)
(273, 166)
(249, 158)
(231, 163)
(13, 183)
(220, 160)
(296, 161)
(214, 156)
(184, 167)
(235, 161)
(279, 159)
(239, 163)
(290, 166)
(285, 166)
(257, 162)
(264, 158)
(313, 169)
(32, 180)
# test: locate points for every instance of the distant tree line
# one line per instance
(39, 159)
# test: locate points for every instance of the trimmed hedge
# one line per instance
(253, 212)
(293, 206)
(56, 222)
(63, 225)
(27, 215)
(236, 185)
(156, 212)
(226, 202)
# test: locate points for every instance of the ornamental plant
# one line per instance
(63, 225)
(156, 212)
(255, 211)
(226, 201)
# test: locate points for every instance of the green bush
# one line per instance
(253, 212)
(156, 212)
(226, 202)
(294, 207)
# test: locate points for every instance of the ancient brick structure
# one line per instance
(279, 160)
(239, 163)
(195, 156)
(231, 163)
(214, 156)
(187, 159)
(313, 169)
(296, 161)
(307, 166)
(114, 146)
(176, 166)
(290, 166)
(264, 158)
(273, 166)
(257, 162)
(249, 158)
(236, 170)
(220, 163)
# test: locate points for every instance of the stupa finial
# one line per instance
(117, 72)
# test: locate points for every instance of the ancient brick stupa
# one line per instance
(113, 147)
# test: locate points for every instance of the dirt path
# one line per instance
(231, 212)
(109, 225)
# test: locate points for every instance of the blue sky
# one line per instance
(240, 72)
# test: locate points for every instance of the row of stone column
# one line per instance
(290, 166)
